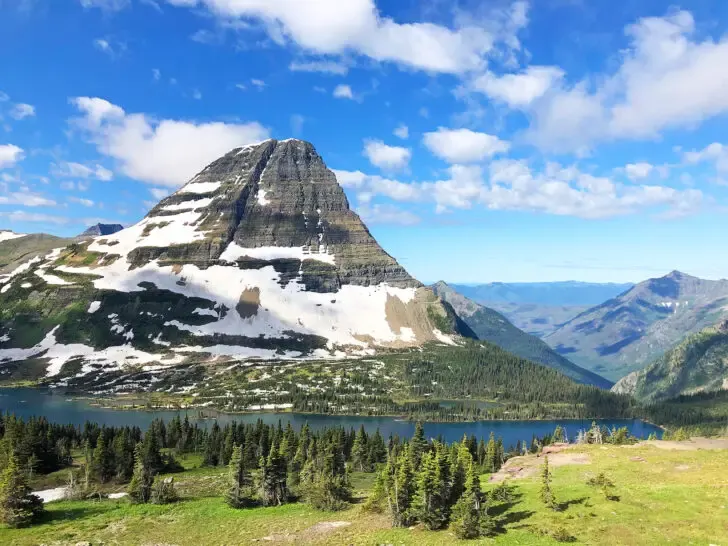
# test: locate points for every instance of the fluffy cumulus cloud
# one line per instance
(10, 155)
(668, 77)
(390, 158)
(636, 171)
(70, 169)
(402, 131)
(343, 91)
(335, 27)
(508, 184)
(716, 153)
(161, 152)
(463, 145)
(518, 90)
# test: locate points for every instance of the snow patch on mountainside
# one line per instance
(8, 235)
(234, 252)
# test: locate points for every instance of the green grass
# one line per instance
(665, 497)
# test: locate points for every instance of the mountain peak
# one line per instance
(258, 255)
(102, 229)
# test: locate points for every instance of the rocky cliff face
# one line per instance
(258, 256)
(102, 229)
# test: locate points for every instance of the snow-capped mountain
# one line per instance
(257, 256)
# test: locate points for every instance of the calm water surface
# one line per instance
(25, 402)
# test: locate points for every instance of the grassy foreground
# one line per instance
(665, 497)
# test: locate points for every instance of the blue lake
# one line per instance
(56, 407)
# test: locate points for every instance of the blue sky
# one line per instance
(480, 141)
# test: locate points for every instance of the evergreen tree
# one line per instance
(238, 494)
(103, 459)
(417, 445)
(377, 450)
(18, 506)
(547, 494)
(431, 500)
(470, 517)
(140, 487)
(360, 451)
(273, 489)
(399, 488)
(491, 454)
(327, 486)
(482, 452)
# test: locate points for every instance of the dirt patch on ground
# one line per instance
(249, 302)
(689, 445)
(523, 467)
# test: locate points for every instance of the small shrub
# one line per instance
(164, 492)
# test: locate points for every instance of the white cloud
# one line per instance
(156, 74)
(82, 201)
(513, 185)
(636, 171)
(368, 186)
(70, 185)
(10, 155)
(402, 132)
(715, 152)
(326, 67)
(163, 152)
(334, 27)
(26, 198)
(24, 216)
(108, 5)
(386, 157)
(4, 97)
(77, 170)
(260, 84)
(386, 214)
(463, 145)
(518, 90)
(196, 94)
(343, 91)
(667, 78)
(22, 111)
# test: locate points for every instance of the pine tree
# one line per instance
(328, 486)
(431, 500)
(377, 450)
(399, 487)
(239, 481)
(140, 487)
(481, 452)
(359, 451)
(273, 473)
(18, 506)
(417, 445)
(547, 494)
(470, 517)
(103, 459)
(491, 454)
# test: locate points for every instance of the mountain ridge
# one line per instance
(493, 327)
(625, 333)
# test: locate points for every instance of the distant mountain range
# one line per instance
(540, 308)
(556, 294)
(625, 333)
(698, 364)
(491, 326)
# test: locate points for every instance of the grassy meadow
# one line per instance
(661, 496)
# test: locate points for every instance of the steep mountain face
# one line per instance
(489, 325)
(539, 308)
(625, 333)
(258, 256)
(699, 363)
(102, 229)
